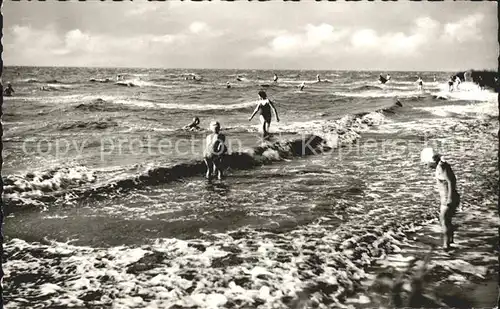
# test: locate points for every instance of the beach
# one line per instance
(106, 205)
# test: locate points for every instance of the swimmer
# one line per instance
(458, 81)
(275, 78)
(450, 84)
(118, 77)
(228, 85)
(301, 87)
(214, 151)
(193, 125)
(318, 78)
(388, 77)
(9, 90)
(264, 106)
(446, 184)
(382, 79)
(420, 83)
(238, 78)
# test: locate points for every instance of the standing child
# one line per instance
(446, 185)
(420, 84)
(264, 106)
(450, 84)
(214, 151)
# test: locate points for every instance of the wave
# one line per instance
(89, 125)
(100, 80)
(489, 109)
(140, 83)
(198, 107)
(34, 188)
(384, 94)
(367, 88)
(467, 95)
(97, 105)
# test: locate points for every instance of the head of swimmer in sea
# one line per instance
(196, 120)
(435, 161)
(262, 95)
(215, 126)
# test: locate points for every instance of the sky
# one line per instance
(391, 36)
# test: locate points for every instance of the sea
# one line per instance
(107, 206)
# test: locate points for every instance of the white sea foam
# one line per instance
(200, 107)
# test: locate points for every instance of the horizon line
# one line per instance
(257, 69)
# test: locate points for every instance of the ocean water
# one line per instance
(107, 204)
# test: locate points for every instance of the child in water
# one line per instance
(420, 83)
(9, 90)
(193, 125)
(214, 151)
(450, 84)
(264, 106)
(446, 184)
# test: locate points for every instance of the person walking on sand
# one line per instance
(264, 106)
(9, 90)
(420, 84)
(446, 184)
(215, 151)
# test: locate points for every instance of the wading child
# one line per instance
(215, 151)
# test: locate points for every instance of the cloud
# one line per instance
(312, 38)
(467, 29)
(198, 27)
(396, 43)
(29, 44)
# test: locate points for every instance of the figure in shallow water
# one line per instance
(194, 125)
(215, 151)
(9, 90)
(264, 106)
(446, 185)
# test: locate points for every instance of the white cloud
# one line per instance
(312, 38)
(198, 27)
(464, 30)
(396, 43)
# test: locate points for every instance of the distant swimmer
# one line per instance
(301, 87)
(215, 151)
(119, 77)
(9, 90)
(383, 79)
(228, 85)
(238, 78)
(194, 125)
(434, 78)
(450, 84)
(420, 84)
(318, 78)
(446, 184)
(275, 78)
(264, 106)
